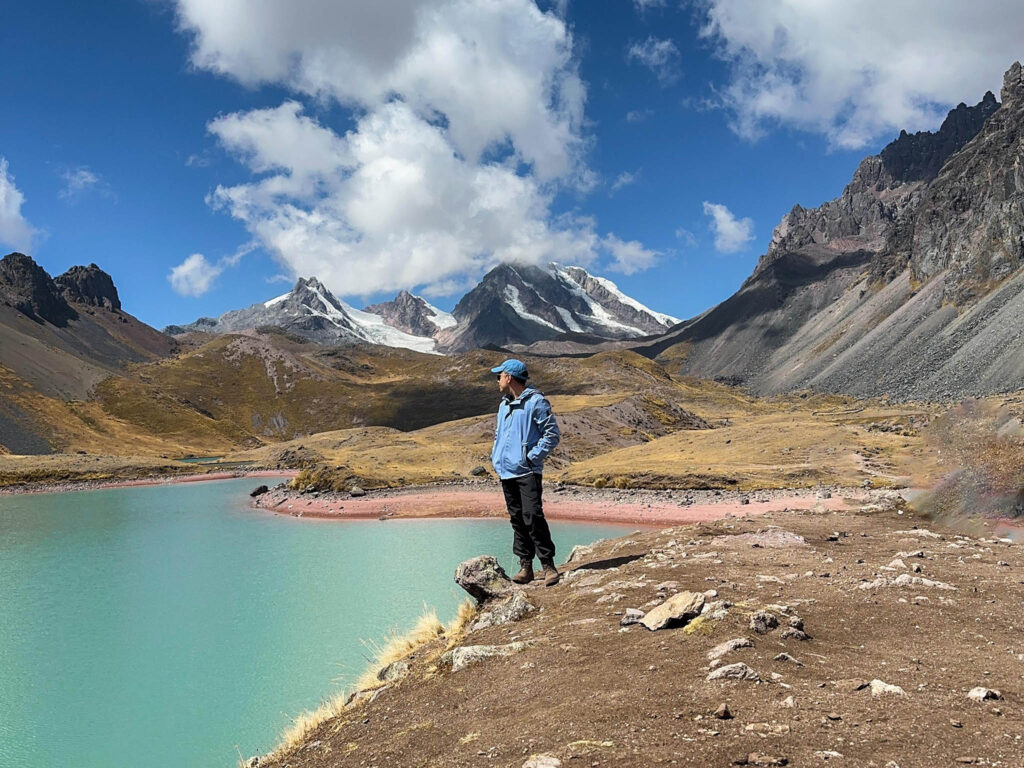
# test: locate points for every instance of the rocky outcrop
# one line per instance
(27, 287)
(909, 285)
(88, 285)
(971, 222)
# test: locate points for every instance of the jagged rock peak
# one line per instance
(88, 285)
(1013, 84)
(412, 314)
(919, 156)
(28, 288)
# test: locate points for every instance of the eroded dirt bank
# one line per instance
(641, 507)
(859, 635)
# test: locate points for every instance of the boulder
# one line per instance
(483, 578)
(356, 491)
(478, 471)
(259, 491)
(674, 612)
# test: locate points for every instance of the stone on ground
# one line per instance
(763, 622)
(509, 609)
(737, 671)
(543, 761)
(674, 612)
(879, 688)
(983, 694)
(465, 655)
(728, 647)
(483, 578)
(632, 616)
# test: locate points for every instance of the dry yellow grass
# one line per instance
(783, 443)
(395, 647)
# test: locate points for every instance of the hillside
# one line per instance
(851, 637)
(909, 285)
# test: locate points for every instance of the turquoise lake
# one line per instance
(175, 626)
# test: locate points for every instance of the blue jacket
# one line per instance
(525, 434)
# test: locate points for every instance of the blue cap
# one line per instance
(515, 368)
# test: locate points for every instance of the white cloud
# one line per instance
(15, 231)
(687, 237)
(858, 70)
(624, 179)
(194, 276)
(389, 205)
(78, 181)
(646, 5)
(660, 56)
(628, 256)
(731, 234)
(469, 122)
(497, 70)
(638, 115)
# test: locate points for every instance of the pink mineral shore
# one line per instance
(447, 502)
(89, 485)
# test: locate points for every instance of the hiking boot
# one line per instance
(525, 575)
(550, 574)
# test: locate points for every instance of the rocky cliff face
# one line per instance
(971, 221)
(909, 284)
(26, 287)
(88, 285)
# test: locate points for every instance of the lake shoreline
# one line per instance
(67, 486)
(569, 503)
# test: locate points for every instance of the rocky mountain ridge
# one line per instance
(513, 304)
(312, 312)
(520, 305)
(908, 285)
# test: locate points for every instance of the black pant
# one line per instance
(529, 528)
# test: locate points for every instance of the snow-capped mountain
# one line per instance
(516, 304)
(513, 304)
(413, 314)
(310, 310)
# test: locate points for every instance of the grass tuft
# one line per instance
(394, 648)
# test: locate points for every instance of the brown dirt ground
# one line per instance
(592, 694)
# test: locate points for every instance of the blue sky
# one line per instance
(412, 143)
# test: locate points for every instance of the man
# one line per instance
(525, 434)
